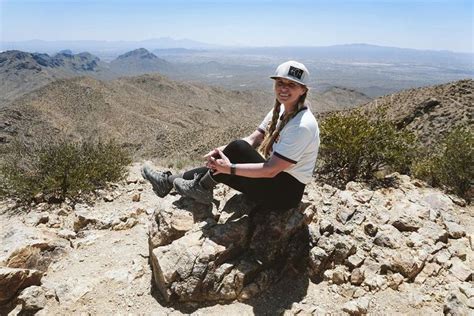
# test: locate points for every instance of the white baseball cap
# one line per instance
(294, 71)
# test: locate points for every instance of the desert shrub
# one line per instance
(450, 164)
(354, 146)
(61, 169)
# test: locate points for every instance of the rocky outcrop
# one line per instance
(234, 253)
(12, 280)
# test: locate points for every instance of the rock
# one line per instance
(459, 248)
(394, 280)
(455, 230)
(433, 231)
(370, 229)
(388, 236)
(233, 258)
(355, 261)
(12, 280)
(122, 225)
(67, 234)
(345, 214)
(32, 298)
(454, 305)
(407, 263)
(439, 202)
(136, 197)
(318, 259)
(363, 196)
(375, 282)
(168, 225)
(339, 275)
(108, 198)
(358, 306)
(460, 270)
(406, 223)
(326, 226)
(357, 276)
(29, 247)
(443, 256)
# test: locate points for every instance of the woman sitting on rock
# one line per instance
(288, 142)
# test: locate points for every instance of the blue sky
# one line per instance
(421, 24)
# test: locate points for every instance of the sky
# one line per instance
(419, 24)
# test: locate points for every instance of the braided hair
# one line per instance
(272, 132)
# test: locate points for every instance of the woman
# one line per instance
(288, 141)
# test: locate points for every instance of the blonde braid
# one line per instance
(272, 135)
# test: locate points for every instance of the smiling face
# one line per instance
(288, 92)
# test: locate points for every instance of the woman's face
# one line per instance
(288, 92)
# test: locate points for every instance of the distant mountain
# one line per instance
(139, 61)
(96, 47)
(22, 72)
(430, 112)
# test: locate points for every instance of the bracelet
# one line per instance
(233, 169)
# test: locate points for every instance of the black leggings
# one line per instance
(281, 191)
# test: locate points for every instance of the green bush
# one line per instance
(61, 169)
(451, 163)
(354, 146)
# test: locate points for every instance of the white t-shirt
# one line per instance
(298, 142)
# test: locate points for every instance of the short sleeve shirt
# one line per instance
(298, 143)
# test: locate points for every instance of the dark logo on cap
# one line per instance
(295, 72)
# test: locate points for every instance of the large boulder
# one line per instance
(234, 254)
(12, 280)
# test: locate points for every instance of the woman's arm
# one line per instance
(267, 169)
(255, 139)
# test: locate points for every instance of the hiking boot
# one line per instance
(159, 180)
(194, 189)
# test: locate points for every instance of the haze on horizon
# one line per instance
(419, 24)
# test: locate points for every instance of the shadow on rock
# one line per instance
(238, 253)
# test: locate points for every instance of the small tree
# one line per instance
(61, 169)
(451, 163)
(355, 146)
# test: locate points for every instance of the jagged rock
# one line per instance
(136, 197)
(454, 305)
(357, 276)
(388, 236)
(363, 196)
(27, 247)
(86, 218)
(455, 230)
(233, 258)
(460, 270)
(407, 263)
(326, 226)
(317, 261)
(459, 248)
(375, 282)
(370, 229)
(406, 223)
(433, 231)
(32, 299)
(345, 214)
(358, 306)
(339, 275)
(394, 280)
(12, 280)
(355, 261)
(67, 234)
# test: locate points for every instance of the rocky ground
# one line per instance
(402, 249)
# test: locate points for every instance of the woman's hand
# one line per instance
(218, 165)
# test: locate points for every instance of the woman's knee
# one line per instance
(237, 146)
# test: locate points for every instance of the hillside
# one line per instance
(151, 114)
(429, 112)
